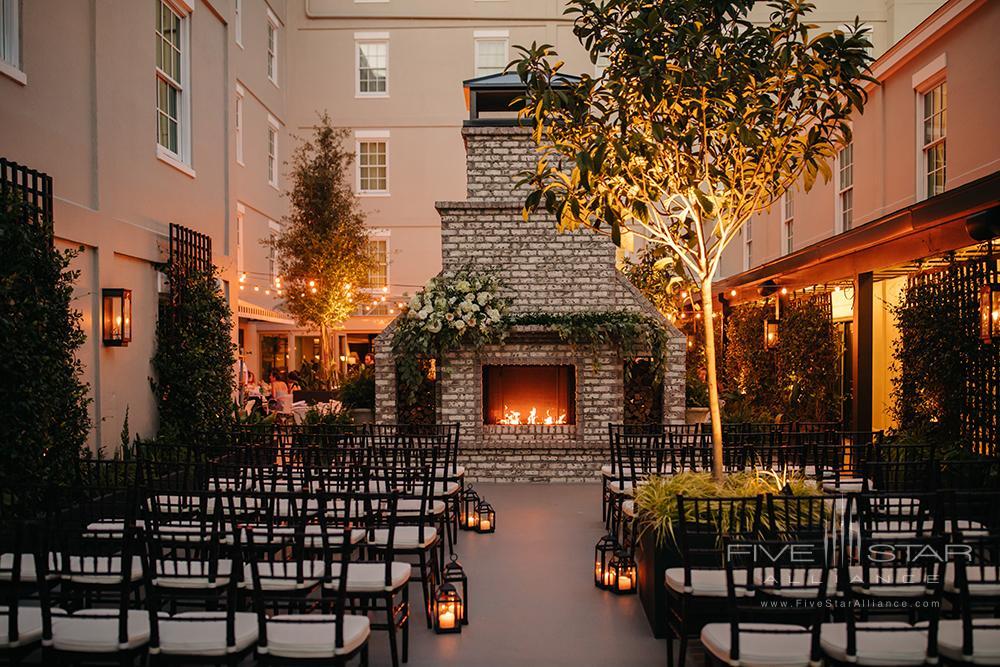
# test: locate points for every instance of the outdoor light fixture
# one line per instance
(116, 316)
(989, 312)
(622, 574)
(447, 610)
(487, 517)
(770, 333)
(454, 574)
(603, 555)
(467, 517)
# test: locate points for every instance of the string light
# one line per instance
(312, 283)
(732, 292)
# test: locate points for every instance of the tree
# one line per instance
(194, 358)
(44, 420)
(700, 120)
(323, 250)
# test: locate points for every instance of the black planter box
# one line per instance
(653, 562)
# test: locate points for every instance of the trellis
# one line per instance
(190, 249)
(34, 189)
(957, 287)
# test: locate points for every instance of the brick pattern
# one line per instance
(545, 271)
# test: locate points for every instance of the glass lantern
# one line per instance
(454, 574)
(116, 317)
(467, 517)
(770, 333)
(989, 313)
(448, 610)
(487, 517)
(622, 570)
(603, 554)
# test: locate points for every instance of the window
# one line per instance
(272, 151)
(935, 126)
(10, 39)
(171, 81)
(845, 188)
(373, 165)
(378, 276)
(238, 22)
(491, 51)
(274, 229)
(239, 124)
(373, 67)
(272, 47)
(748, 245)
(787, 222)
(241, 214)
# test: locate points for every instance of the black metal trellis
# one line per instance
(190, 249)
(957, 286)
(34, 188)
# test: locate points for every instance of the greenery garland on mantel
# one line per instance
(635, 335)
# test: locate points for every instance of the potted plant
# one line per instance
(657, 518)
(357, 394)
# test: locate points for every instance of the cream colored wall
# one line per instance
(886, 295)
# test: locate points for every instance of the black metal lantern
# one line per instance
(603, 554)
(454, 574)
(989, 312)
(622, 570)
(447, 610)
(770, 333)
(467, 518)
(116, 316)
(487, 517)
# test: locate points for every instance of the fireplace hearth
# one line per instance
(529, 395)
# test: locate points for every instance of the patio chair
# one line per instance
(903, 576)
(973, 585)
(889, 516)
(696, 589)
(778, 622)
(840, 460)
(20, 612)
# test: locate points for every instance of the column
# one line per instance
(861, 361)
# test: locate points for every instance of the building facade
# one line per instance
(154, 112)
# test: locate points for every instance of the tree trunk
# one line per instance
(325, 353)
(711, 375)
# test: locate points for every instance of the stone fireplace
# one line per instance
(534, 408)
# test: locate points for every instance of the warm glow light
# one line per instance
(313, 290)
(256, 288)
(732, 292)
(784, 290)
(684, 295)
(513, 418)
(385, 290)
(243, 278)
(312, 283)
(241, 286)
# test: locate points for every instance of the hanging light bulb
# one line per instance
(256, 288)
(243, 277)
(313, 290)
(312, 283)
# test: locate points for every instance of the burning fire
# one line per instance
(513, 417)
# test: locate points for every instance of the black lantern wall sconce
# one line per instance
(116, 316)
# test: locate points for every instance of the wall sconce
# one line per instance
(770, 333)
(116, 316)
(989, 312)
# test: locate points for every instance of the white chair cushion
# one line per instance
(96, 631)
(806, 582)
(314, 536)
(985, 641)
(101, 570)
(979, 585)
(190, 574)
(313, 638)
(608, 471)
(283, 575)
(704, 583)
(406, 537)
(759, 649)
(453, 472)
(412, 506)
(370, 577)
(846, 485)
(622, 488)
(206, 633)
(628, 508)
(29, 625)
(110, 527)
(877, 649)
(887, 582)
(29, 572)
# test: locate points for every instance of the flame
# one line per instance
(513, 417)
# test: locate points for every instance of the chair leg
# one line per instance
(406, 624)
(670, 648)
(425, 587)
(364, 655)
(391, 623)
(682, 657)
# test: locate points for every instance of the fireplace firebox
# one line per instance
(518, 395)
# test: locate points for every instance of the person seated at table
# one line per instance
(280, 393)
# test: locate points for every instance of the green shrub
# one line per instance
(358, 389)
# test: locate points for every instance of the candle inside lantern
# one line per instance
(471, 521)
(446, 620)
(485, 524)
(609, 578)
(624, 582)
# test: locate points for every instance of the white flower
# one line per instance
(449, 316)
(463, 286)
(425, 313)
(440, 303)
(458, 324)
(483, 298)
(415, 303)
(474, 307)
(472, 321)
(470, 297)
(493, 314)
(434, 327)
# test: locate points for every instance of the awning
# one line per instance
(251, 311)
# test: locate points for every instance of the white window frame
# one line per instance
(11, 61)
(271, 50)
(273, 229)
(361, 38)
(483, 36)
(180, 159)
(747, 244)
(367, 136)
(787, 214)
(839, 190)
(924, 81)
(241, 221)
(382, 235)
(238, 22)
(273, 157)
(240, 105)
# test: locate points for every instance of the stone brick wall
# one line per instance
(545, 272)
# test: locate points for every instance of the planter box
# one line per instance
(313, 397)
(697, 415)
(363, 415)
(653, 562)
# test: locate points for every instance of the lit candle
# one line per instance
(624, 582)
(485, 524)
(446, 620)
(609, 578)
(472, 521)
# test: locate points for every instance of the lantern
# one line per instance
(770, 333)
(989, 312)
(454, 574)
(622, 570)
(487, 517)
(467, 518)
(447, 610)
(116, 317)
(603, 554)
